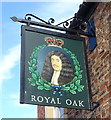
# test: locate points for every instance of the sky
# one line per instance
(10, 47)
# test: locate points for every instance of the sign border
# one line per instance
(58, 34)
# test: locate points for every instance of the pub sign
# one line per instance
(53, 69)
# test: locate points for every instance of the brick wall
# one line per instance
(41, 112)
(99, 62)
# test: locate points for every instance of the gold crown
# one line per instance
(54, 41)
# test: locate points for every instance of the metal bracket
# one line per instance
(94, 105)
(65, 24)
(28, 17)
(48, 24)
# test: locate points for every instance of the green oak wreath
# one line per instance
(41, 84)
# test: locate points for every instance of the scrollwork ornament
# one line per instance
(66, 24)
(51, 21)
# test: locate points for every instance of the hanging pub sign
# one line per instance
(53, 69)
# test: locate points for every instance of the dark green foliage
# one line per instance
(41, 84)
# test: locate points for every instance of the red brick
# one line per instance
(98, 116)
(100, 101)
(104, 55)
(108, 117)
(41, 111)
(103, 113)
(105, 105)
(106, 96)
(99, 62)
(101, 93)
(108, 111)
(109, 88)
(94, 98)
(107, 76)
(102, 86)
